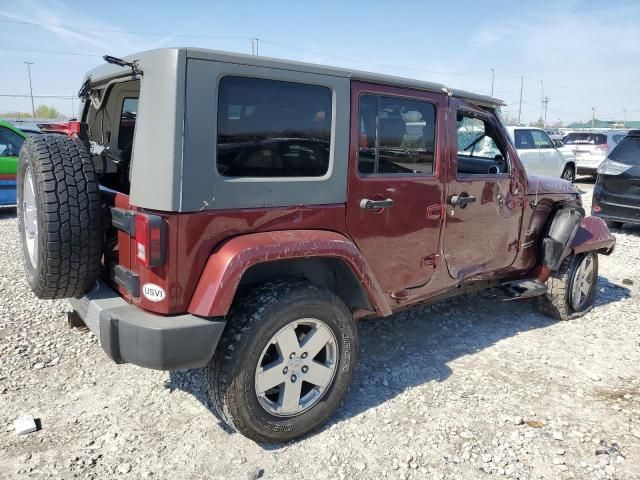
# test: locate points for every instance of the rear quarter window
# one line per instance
(272, 128)
(128, 116)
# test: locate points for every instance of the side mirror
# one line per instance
(558, 143)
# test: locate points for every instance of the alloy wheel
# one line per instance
(296, 368)
(583, 283)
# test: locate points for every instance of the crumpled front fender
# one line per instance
(593, 235)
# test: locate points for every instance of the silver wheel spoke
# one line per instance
(287, 341)
(30, 216)
(316, 341)
(270, 377)
(588, 268)
(290, 400)
(575, 297)
(318, 374)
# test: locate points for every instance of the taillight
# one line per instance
(68, 128)
(150, 240)
(596, 208)
(611, 167)
(602, 146)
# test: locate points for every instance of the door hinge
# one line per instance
(515, 245)
(431, 260)
(124, 220)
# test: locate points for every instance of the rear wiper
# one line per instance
(84, 89)
(123, 63)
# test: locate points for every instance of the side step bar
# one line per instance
(526, 288)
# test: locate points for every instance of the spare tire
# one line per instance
(59, 216)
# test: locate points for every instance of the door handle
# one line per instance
(461, 201)
(367, 204)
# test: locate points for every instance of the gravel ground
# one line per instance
(471, 388)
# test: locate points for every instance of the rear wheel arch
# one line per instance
(326, 258)
(330, 273)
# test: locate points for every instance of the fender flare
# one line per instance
(593, 235)
(228, 263)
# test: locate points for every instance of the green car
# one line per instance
(11, 140)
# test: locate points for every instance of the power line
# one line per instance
(252, 39)
(60, 97)
(355, 60)
(113, 30)
(32, 50)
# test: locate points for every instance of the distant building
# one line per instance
(602, 124)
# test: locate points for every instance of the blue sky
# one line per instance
(585, 52)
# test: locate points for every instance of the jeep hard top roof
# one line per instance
(107, 71)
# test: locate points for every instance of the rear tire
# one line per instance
(560, 300)
(59, 216)
(251, 344)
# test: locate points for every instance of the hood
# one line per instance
(543, 184)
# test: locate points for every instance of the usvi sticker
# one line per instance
(153, 292)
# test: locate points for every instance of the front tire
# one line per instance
(568, 174)
(571, 289)
(285, 361)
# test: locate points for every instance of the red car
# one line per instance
(240, 213)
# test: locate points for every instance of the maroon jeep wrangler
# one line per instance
(239, 213)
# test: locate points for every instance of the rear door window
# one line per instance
(627, 151)
(397, 136)
(272, 128)
(523, 139)
(541, 139)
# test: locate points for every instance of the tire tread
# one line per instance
(71, 215)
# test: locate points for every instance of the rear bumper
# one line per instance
(584, 170)
(617, 212)
(7, 192)
(129, 334)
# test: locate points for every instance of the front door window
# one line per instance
(479, 152)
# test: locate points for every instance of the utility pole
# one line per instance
(520, 106)
(254, 42)
(542, 89)
(593, 117)
(545, 103)
(73, 108)
(493, 75)
(33, 108)
(624, 122)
